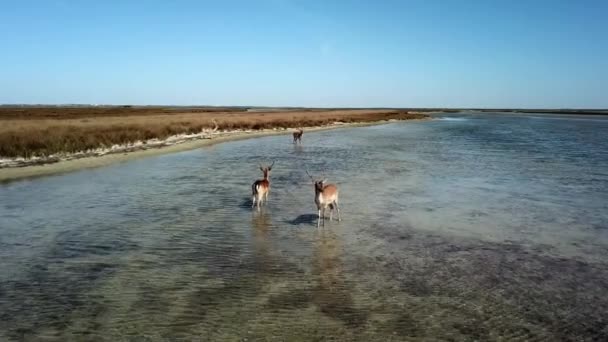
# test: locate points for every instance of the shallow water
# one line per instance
(468, 227)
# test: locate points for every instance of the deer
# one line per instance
(261, 187)
(297, 135)
(326, 195)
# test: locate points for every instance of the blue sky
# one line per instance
(541, 54)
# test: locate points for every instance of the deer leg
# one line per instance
(323, 217)
(252, 201)
(338, 210)
(331, 212)
(319, 219)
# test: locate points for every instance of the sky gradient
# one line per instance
(486, 54)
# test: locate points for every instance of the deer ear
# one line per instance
(324, 181)
(261, 168)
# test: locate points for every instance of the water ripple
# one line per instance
(472, 227)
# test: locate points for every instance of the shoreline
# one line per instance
(9, 174)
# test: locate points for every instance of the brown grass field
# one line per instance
(42, 131)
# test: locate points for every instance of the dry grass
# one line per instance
(25, 132)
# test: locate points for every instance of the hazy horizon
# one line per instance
(283, 53)
(279, 107)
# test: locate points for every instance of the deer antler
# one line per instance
(271, 165)
(311, 178)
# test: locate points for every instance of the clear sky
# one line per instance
(542, 54)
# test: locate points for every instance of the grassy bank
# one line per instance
(42, 131)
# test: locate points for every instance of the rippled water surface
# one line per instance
(468, 227)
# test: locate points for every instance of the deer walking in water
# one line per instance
(297, 135)
(326, 195)
(261, 187)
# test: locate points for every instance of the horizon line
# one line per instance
(297, 107)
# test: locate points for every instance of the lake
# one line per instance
(467, 227)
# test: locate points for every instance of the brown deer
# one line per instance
(326, 195)
(297, 135)
(261, 187)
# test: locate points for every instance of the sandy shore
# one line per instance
(17, 173)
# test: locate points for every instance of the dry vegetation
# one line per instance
(41, 131)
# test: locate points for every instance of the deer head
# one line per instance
(266, 170)
(319, 184)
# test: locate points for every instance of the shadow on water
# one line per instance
(304, 219)
(245, 203)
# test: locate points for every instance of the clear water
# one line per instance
(468, 227)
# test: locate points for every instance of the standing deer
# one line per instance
(261, 187)
(297, 135)
(326, 195)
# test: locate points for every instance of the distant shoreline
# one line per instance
(260, 109)
(10, 174)
(539, 111)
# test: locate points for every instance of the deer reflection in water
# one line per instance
(298, 148)
(332, 294)
(262, 258)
